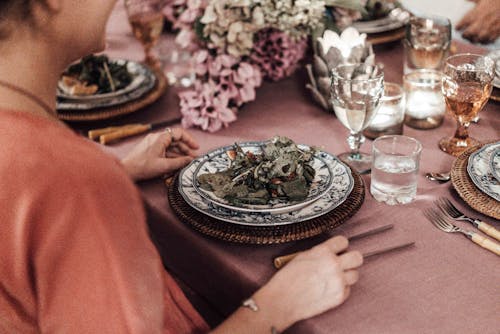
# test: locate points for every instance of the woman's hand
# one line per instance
(160, 153)
(316, 280)
(482, 23)
(313, 282)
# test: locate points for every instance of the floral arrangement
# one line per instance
(238, 43)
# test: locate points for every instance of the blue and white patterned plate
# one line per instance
(479, 170)
(495, 164)
(342, 185)
(217, 160)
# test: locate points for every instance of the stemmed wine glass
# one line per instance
(355, 94)
(466, 87)
(146, 19)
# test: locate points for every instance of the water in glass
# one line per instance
(394, 179)
(394, 169)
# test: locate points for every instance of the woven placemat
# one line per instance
(118, 110)
(467, 190)
(265, 234)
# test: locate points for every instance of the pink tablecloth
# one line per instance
(445, 284)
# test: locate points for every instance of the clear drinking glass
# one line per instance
(467, 85)
(355, 94)
(395, 166)
(146, 19)
(427, 43)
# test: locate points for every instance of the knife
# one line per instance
(280, 261)
(365, 255)
(114, 133)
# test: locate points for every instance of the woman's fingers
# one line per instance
(173, 164)
(336, 244)
(351, 277)
(350, 260)
(182, 136)
(181, 148)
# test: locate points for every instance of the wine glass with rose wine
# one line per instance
(146, 19)
(355, 94)
(466, 86)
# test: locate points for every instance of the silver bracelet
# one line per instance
(252, 305)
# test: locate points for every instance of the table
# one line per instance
(445, 284)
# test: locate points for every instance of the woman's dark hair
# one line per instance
(15, 9)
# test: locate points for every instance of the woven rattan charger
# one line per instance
(467, 190)
(118, 110)
(265, 234)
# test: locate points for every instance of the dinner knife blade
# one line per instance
(387, 250)
(280, 261)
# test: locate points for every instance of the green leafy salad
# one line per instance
(282, 171)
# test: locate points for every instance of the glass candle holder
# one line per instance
(427, 43)
(425, 106)
(390, 115)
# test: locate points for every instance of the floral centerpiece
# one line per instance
(238, 43)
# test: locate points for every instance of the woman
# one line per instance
(481, 23)
(75, 254)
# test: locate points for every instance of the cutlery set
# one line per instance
(280, 261)
(442, 217)
(114, 133)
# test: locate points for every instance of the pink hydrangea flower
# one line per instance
(276, 53)
(223, 84)
(206, 107)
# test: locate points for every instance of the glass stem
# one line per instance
(462, 132)
(355, 140)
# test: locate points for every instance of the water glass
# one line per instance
(425, 106)
(355, 95)
(390, 114)
(394, 169)
(427, 43)
(177, 63)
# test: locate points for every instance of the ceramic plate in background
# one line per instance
(479, 170)
(396, 18)
(495, 164)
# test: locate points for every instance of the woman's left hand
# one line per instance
(160, 154)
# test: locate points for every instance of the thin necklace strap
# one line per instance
(29, 95)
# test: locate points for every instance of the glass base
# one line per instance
(361, 162)
(456, 146)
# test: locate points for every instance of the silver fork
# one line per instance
(449, 209)
(442, 223)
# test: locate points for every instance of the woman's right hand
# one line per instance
(315, 281)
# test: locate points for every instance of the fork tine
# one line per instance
(429, 214)
(449, 207)
(438, 220)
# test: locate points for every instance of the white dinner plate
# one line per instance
(495, 164)
(217, 160)
(479, 170)
(342, 185)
